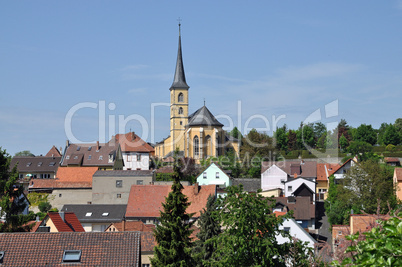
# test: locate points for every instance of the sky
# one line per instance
(86, 70)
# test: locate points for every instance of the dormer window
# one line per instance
(72, 256)
(110, 158)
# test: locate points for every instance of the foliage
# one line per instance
(11, 197)
(305, 136)
(250, 230)
(44, 206)
(281, 138)
(337, 211)
(343, 142)
(390, 147)
(381, 247)
(25, 153)
(209, 225)
(236, 133)
(391, 136)
(365, 133)
(35, 198)
(360, 148)
(173, 232)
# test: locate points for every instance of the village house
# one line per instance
(214, 174)
(96, 218)
(324, 171)
(398, 183)
(55, 222)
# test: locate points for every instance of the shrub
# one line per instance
(44, 207)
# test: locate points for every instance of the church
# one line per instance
(198, 135)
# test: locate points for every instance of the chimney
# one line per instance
(61, 213)
(97, 145)
(61, 150)
(37, 218)
(132, 136)
(123, 225)
(196, 189)
(67, 143)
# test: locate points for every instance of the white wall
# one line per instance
(272, 177)
(295, 185)
(130, 161)
(61, 197)
(295, 230)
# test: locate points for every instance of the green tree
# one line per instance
(365, 133)
(391, 136)
(281, 139)
(210, 227)
(360, 148)
(25, 153)
(305, 136)
(292, 140)
(11, 197)
(173, 233)
(44, 207)
(337, 210)
(343, 142)
(398, 124)
(343, 129)
(236, 133)
(382, 246)
(319, 130)
(250, 230)
(365, 184)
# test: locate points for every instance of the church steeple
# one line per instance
(179, 76)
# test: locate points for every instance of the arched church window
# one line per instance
(196, 147)
(181, 97)
(180, 110)
(208, 143)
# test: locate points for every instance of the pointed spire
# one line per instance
(179, 76)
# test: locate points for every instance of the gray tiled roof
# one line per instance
(203, 117)
(115, 213)
(249, 184)
(46, 249)
(36, 164)
(122, 173)
(179, 76)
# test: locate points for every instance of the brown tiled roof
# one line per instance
(46, 249)
(134, 226)
(364, 222)
(146, 200)
(36, 164)
(165, 169)
(89, 155)
(308, 168)
(388, 160)
(148, 241)
(67, 177)
(324, 170)
(398, 174)
(53, 152)
(130, 142)
(35, 225)
(303, 208)
(70, 223)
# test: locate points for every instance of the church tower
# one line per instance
(178, 103)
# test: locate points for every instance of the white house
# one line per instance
(340, 173)
(273, 177)
(300, 187)
(295, 230)
(214, 175)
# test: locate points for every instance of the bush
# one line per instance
(44, 207)
(390, 147)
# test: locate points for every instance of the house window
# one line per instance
(21, 176)
(72, 256)
(138, 157)
(140, 182)
(339, 232)
(60, 195)
(34, 176)
(290, 188)
(146, 265)
(119, 183)
(181, 123)
(196, 147)
(75, 157)
(100, 157)
(118, 195)
(204, 175)
(180, 110)
(128, 158)
(180, 97)
(286, 229)
(217, 175)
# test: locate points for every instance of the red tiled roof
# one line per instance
(398, 174)
(324, 170)
(391, 159)
(133, 226)
(148, 241)
(70, 223)
(146, 200)
(46, 249)
(130, 142)
(53, 152)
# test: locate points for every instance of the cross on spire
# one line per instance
(179, 20)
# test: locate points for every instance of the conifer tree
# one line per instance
(11, 203)
(209, 227)
(173, 232)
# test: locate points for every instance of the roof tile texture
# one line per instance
(46, 249)
(146, 200)
(130, 142)
(308, 168)
(70, 223)
(324, 170)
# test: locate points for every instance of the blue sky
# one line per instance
(278, 58)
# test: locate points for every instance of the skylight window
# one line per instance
(67, 157)
(100, 157)
(90, 156)
(88, 214)
(29, 164)
(40, 164)
(78, 148)
(75, 157)
(89, 148)
(105, 214)
(52, 163)
(72, 256)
